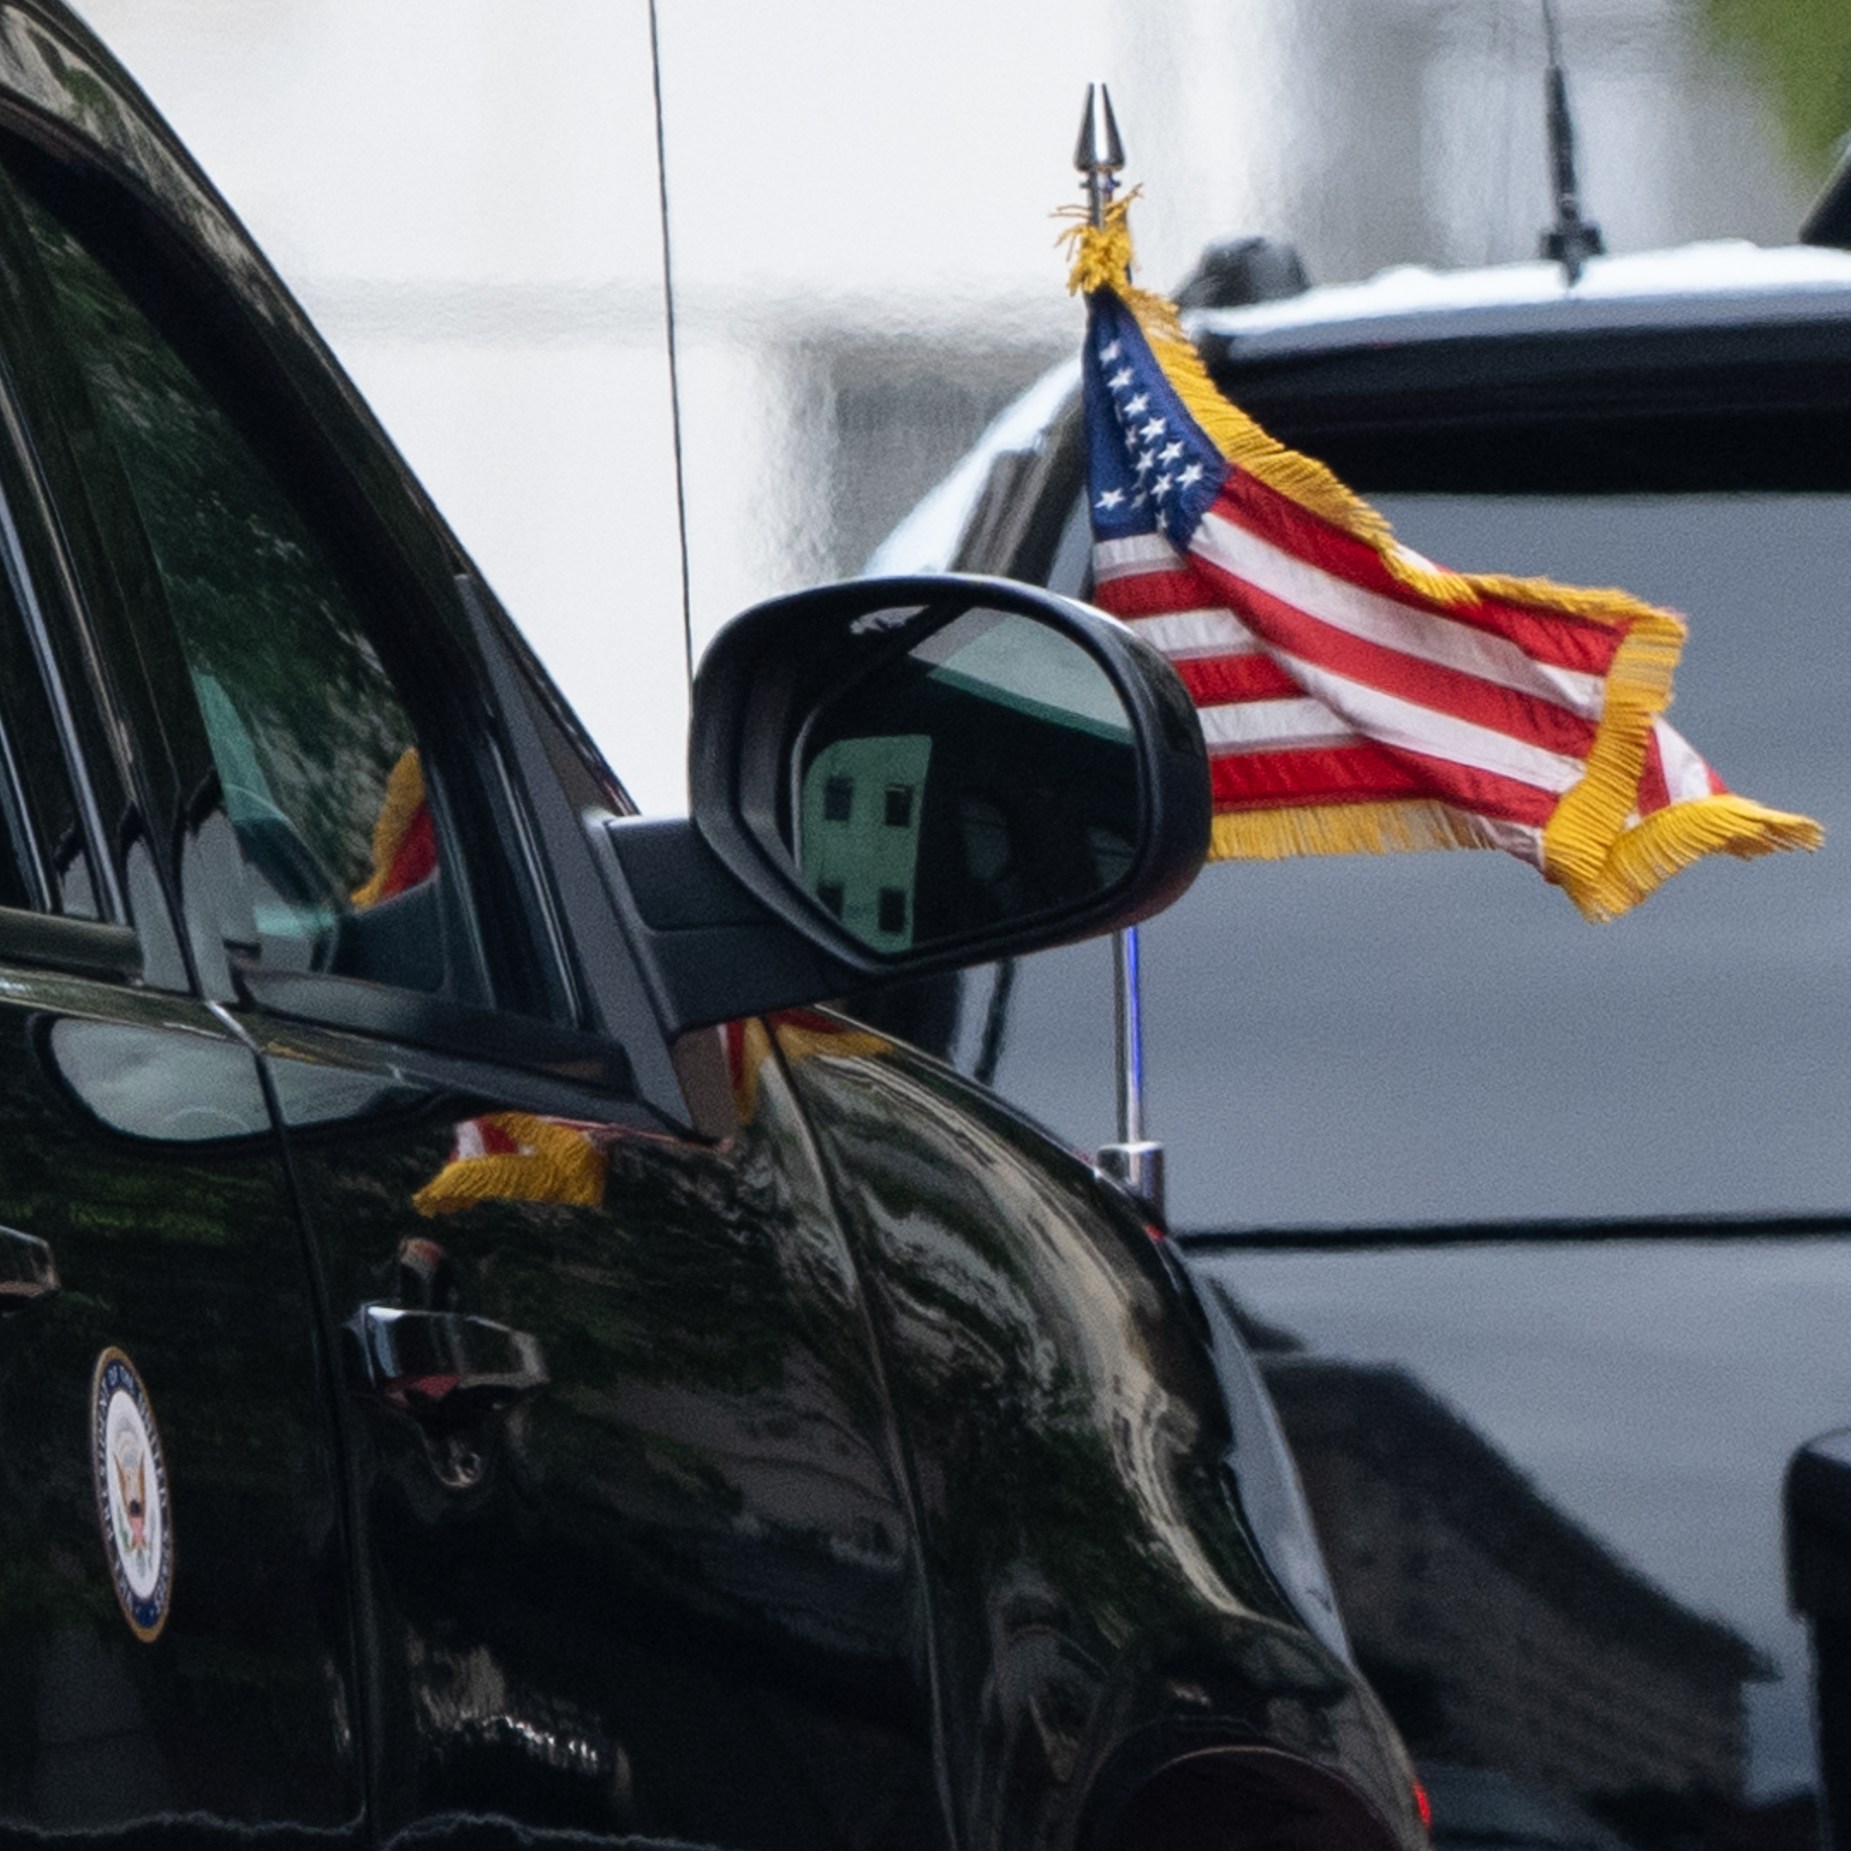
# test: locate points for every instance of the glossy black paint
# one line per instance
(686, 1550)
(756, 1439)
(135, 1144)
(1103, 1606)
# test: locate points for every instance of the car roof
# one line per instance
(1721, 283)
(1718, 365)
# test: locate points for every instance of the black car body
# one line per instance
(1539, 1231)
(450, 1389)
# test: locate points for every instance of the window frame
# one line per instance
(73, 720)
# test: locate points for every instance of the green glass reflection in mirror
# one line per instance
(982, 778)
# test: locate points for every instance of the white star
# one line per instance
(1133, 406)
(1139, 499)
(1162, 486)
(1146, 462)
(1120, 380)
(1110, 353)
(1190, 476)
(1110, 499)
(1169, 453)
(1163, 523)
(1131, 440)
(1155, 428)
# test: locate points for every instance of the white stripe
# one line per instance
(1256, 726)
(1413, 728)
(1196, 633)
(1137, 552)
(1686, 775)
(1524, 840)
(1375, 619)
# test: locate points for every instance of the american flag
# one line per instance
(1353, 695)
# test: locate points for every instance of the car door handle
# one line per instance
(27, 1270)
(446, 1369)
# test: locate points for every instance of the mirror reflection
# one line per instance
(986, 776)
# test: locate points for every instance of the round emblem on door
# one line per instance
(131, 1493)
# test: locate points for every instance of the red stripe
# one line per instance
(1484, 791)
(1214, 681)
(1366, 773)
(1451, 691)
(1554, 637)
(1156, 593)
(1359, 773)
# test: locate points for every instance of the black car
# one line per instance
(1538, 1231)
(468, 1373)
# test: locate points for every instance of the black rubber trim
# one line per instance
(1565, 1231)
(85, 947)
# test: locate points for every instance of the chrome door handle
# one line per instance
(27, 1270)
(446, 1369)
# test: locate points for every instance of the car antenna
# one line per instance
(674, 356)
(1135, 1160)
(1571, 240)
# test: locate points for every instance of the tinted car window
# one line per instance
(13, 843)
(317, 761)
(44, 863)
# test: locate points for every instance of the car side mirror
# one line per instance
(913, 768)
(897, 777)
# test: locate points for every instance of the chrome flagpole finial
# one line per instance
(1099, 154)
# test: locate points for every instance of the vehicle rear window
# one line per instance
(1440, 1037)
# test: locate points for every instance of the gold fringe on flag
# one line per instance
(556, 1162)
(1340, 829)
(1588, 849)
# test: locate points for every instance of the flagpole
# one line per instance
(1135, 1160)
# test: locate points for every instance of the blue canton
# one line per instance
(1150, 468)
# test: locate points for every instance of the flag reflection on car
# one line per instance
(527, 1157)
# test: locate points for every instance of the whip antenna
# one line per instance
(674, 357)
(1571, 240)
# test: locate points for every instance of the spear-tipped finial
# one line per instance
(1571, 240)
(1099, 154)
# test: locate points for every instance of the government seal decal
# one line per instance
(131, 1493)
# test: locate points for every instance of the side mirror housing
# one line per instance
(897, 777)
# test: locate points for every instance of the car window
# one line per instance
(44, 860)
(318, 766)
(15, 842)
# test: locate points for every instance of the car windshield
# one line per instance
(1437, 1037)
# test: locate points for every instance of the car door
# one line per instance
(175, 1622)
(635, 1549)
